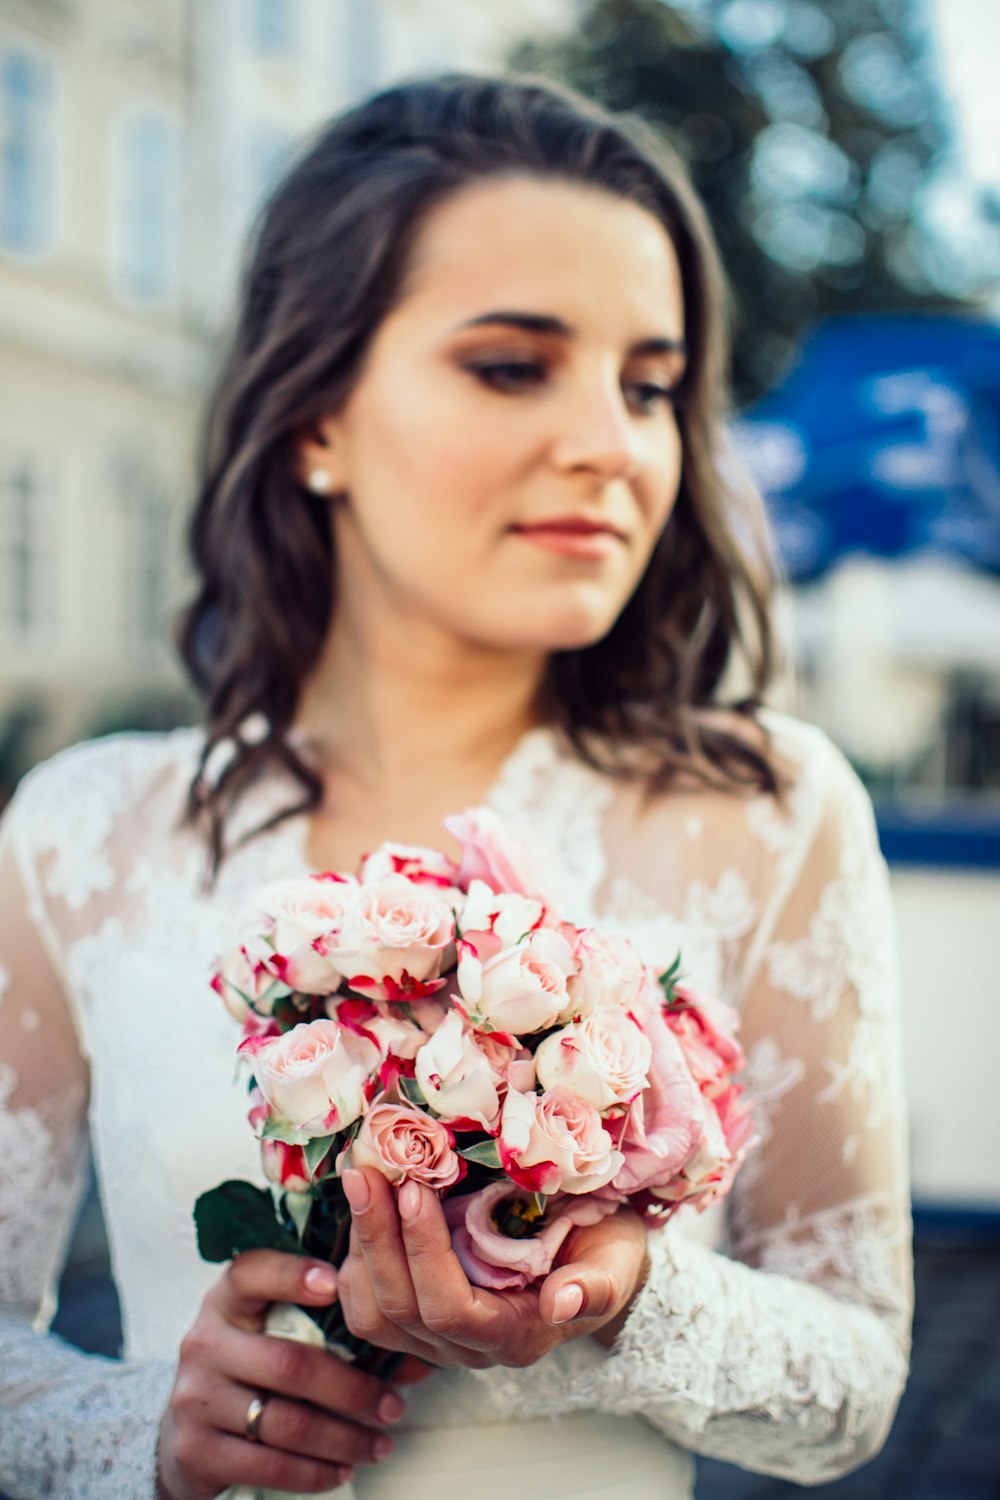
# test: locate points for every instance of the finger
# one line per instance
(303, 1430)
(603, 1272)
(304, 1373)
(450, 1308)
(221, 1460)
(366, 1319)
(412, 1371)
(376, 1232)
(257, 1278)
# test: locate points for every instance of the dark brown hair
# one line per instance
(327, 262)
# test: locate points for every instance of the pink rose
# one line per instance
(403, 1143)
(610, 972)
(493, 1259)
(515, 990)
(400, 939)
(306, 917)
(509, 857)
(555, 1142)
(704, 1028)
(244, 982)
(313, 1076)
(728, 1135)
(665, 1125)
(420, 866)
(456, 1077)
(604, 1058)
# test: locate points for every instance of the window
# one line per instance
(273, 26)
(145, 542)
(361, 47)
(27, 151)
(25, 587)
(147, 206)
(266, 153)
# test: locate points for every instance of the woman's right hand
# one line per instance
(321, 1416)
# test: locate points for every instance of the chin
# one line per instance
(566, 627)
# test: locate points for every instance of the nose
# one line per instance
(597, 433)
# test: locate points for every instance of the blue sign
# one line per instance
(883, 439)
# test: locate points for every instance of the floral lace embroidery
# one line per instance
(712, 921)
(769, 1371)
(37, 1201)
(74, 831)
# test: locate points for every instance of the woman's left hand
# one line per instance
(402, 1286)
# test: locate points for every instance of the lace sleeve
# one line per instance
(70, 1423)
(787, 1355)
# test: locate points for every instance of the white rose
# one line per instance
(555, 1143)
(421, 866)
(508, 914)
(306, 917)
(243, 980)
(520, 989)
(400, 938)
(314, 1076)
(456, 1078)
(610, 972)
(604, 1058)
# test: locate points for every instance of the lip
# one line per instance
(568, 526)
(572, 536)
(596, 545)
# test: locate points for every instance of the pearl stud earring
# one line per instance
(319, 482)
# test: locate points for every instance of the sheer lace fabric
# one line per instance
(774, 1335)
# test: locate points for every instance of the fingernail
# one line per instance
(357, 1190)
(390, 1408)
(322, 1280)
(567, 1303)
(344, 1476)
(382, 1447)
(409, 1200)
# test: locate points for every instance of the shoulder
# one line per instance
(818, 772)
(821, 804)
(79, 794)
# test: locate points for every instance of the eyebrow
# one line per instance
(544, 323)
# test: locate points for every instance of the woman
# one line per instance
(462, 535)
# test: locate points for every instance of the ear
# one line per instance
(318, 461)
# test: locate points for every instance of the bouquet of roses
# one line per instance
(444, 1023)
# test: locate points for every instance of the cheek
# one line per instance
(424, 486)
(657, 494)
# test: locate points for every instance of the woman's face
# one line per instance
(510, 452)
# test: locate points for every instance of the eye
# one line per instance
(509, 375)
(644, 396)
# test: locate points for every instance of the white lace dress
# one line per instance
(775, 1339)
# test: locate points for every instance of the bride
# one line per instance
(464, 535)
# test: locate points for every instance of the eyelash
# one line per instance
(495, 374)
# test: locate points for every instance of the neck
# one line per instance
(382, 704)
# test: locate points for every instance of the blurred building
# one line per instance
(136, 139)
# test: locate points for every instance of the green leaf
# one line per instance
(237, 1216)
(411, 1091)
(668, 980)
(485, 1153)
(315, 1150)
(283, 1130)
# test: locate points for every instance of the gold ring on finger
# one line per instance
(253, 1418)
